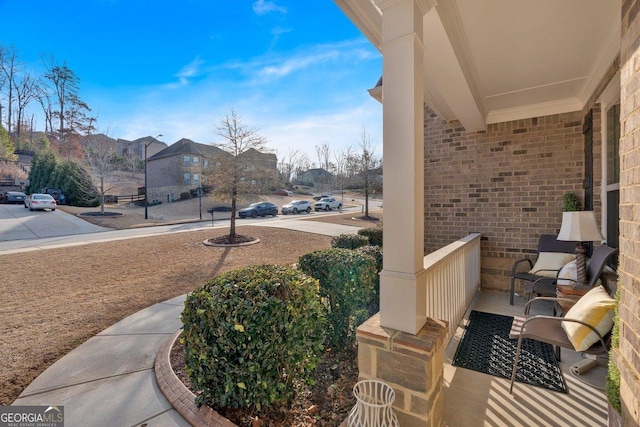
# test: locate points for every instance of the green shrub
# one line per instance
(185, 195)
(612, 383)
(571, 203)
(250, 334)
(373, 306)
(346, 284)
(373, 234)
(349, 241)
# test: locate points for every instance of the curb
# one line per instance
(179, 396)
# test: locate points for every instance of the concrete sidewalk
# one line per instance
(110, 379)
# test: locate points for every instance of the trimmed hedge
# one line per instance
(612, 381)
(373, 234)
(349, 241)
(346, 283)
(376, 253)
(250, 334)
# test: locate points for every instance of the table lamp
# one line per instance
(580, 226)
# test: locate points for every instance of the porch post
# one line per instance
(402, 288)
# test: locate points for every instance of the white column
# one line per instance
(402, 287)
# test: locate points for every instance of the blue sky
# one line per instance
(298, 70)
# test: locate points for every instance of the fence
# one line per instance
(452, 279)
(131, 198)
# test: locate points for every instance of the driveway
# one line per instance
(18, 223)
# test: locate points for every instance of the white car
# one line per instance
(327, 204)
(40, 201)
(296, 206)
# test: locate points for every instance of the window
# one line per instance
(205, 163)
(187, 178)
(196, 161)
(196, 179)
(613, 145)
(186, 160)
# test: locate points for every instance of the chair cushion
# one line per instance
(568, 271)
(595, 308)
(553, 261)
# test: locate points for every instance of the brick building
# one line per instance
(180, 167)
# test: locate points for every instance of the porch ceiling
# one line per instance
(496, 60)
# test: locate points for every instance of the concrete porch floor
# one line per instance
(475, 399)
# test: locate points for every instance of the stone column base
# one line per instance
(412, 364)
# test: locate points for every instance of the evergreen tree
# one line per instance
(75, 182)
(42, 143)
(42, 166)
(6, 146)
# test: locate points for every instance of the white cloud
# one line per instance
(262, 7)
(192, 69)
(296, 101)
(296, 64)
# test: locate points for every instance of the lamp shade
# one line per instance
(579, 226)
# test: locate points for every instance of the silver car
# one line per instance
(40, 202)
(296, 206)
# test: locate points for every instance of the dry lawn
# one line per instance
(56, 299)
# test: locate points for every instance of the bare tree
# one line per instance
(239, 173)
(3, 50)
(324, 160)
(44, 99)
(102, 157)
(26, 91)
(304, 164)
(132, 161)
(341, 160)
(8, 66)
(366, 167)
(288, 164)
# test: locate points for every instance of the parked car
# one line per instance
(328, 203)
(12, 197)
(317, 198)
(283, 192)
(40, 201)
(56, 193)
(258, 209)
(296, 206)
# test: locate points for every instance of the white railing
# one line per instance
(452, 278)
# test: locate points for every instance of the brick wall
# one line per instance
(628, 357)
(507, 182)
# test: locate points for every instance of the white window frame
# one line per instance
(610, 96)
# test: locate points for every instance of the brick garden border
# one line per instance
(179, 396)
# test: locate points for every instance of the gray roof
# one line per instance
(187, 146)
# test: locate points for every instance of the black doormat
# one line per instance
(485, 347)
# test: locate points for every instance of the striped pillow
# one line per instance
(595, 308)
